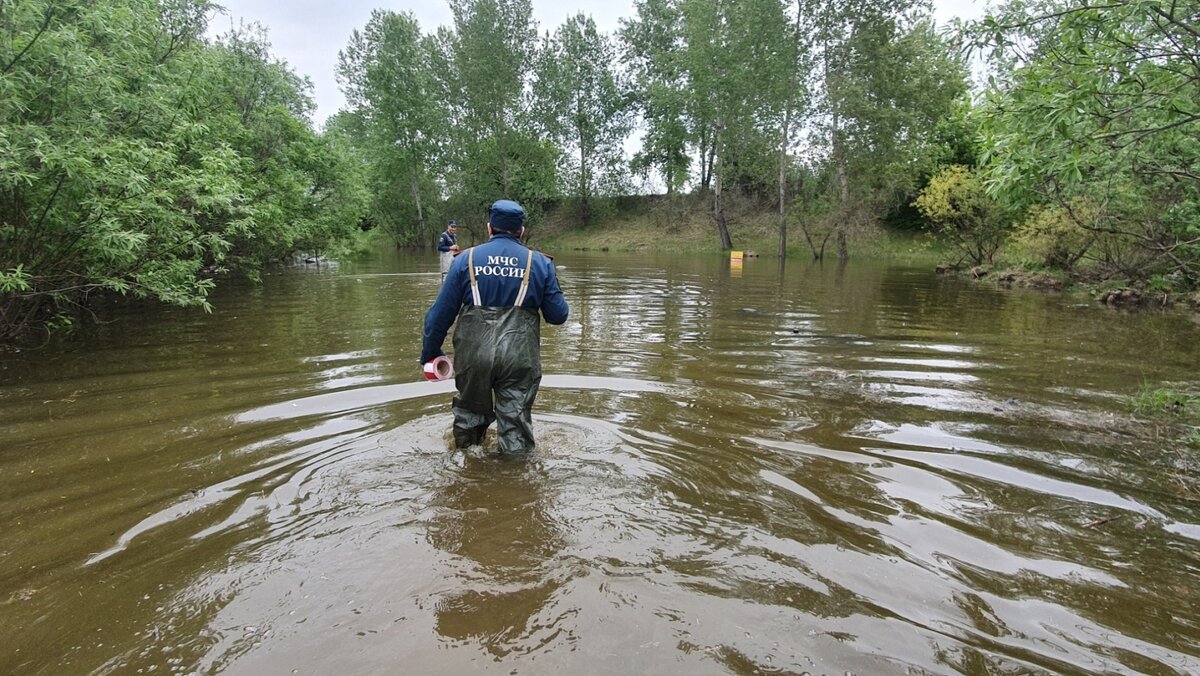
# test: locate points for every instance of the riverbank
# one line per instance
(684, 225)
(1114, 293)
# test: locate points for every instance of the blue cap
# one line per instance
(452, 224)
(506, 215)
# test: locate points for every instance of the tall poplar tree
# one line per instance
(387, 81)
(584, 108)
(653, 52)
(497, 152)
(888, 77)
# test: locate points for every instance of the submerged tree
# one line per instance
(738, 70)
(796, 59)
(888, 78)
(137, 159)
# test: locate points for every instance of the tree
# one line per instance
(496, 150)
(735, 62)
(259, 107)
(386, 78)
(1099, 105)
(107, 179)
(137, 159)
(796, 59)
(653, 53)
(583, 107)
(888, 79)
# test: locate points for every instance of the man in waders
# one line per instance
(496, 291)
(447, 245)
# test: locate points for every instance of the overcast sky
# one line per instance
(309, 33)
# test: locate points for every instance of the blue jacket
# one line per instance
(447, 240)
(499, 266)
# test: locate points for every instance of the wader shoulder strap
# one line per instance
(474, 284)
(524, 281)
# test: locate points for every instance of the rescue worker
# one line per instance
(496, 291)
(447, 245)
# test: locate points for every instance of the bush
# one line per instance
(961, 212)
(1049, 236)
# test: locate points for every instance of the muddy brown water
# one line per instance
(868, 470)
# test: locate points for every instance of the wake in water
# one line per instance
(877, 476)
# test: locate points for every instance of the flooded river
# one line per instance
(872, 470)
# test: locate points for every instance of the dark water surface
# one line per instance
(871, 471)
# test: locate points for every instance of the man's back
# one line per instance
(498, 267)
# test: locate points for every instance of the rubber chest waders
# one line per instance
(497, 360)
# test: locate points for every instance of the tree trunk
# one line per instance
(832, 84)
(505, 183)
(712, 164)
(783, 146)
(718, 205)
(416, 191)
(585, 210)
(843, 178)
(669, 171)
(818, 251)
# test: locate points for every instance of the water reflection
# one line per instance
(804, 468)
(495, 520)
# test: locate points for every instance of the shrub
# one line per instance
(960, 212)
(1049, 236)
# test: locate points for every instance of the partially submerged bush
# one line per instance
(961, 212)
(1050, 236)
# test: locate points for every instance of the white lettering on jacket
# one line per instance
(497, 271)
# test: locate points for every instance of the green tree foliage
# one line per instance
(104, 185)
(496, 150)
(888, 79)
(389, 85)
(292, 180)
(136, 159)
(583, 109)
(960, 210)
(1100, 105)
(653, 53)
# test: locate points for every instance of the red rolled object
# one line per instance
(439, 368)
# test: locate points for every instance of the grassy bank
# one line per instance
(684, 225)
(1114, 292)
(1174, 413)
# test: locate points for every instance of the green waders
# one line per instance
(497, 369)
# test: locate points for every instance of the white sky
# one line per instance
(309, 33)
